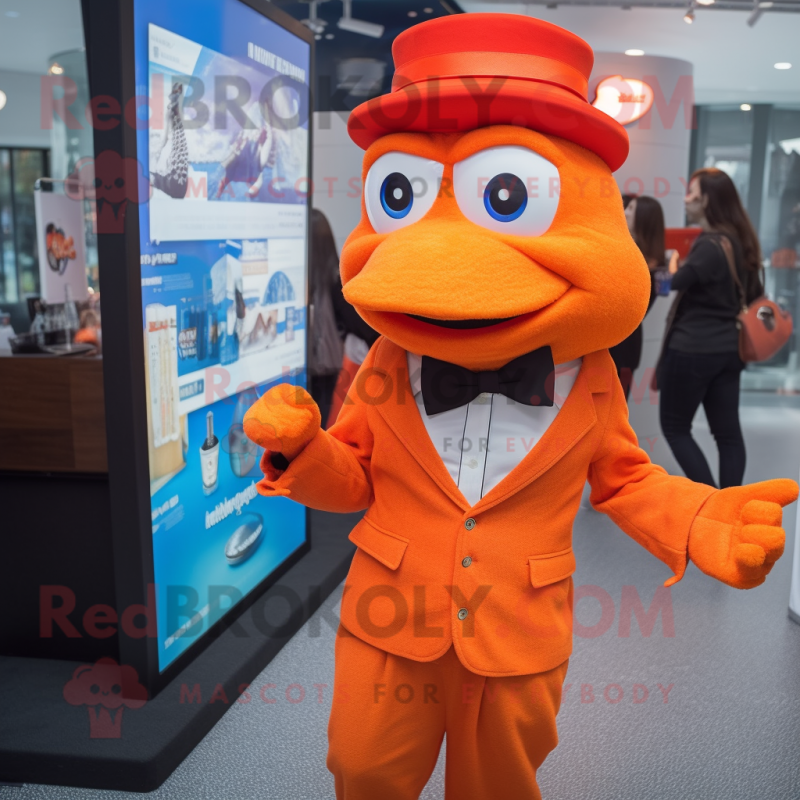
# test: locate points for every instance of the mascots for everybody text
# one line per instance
(493, 256)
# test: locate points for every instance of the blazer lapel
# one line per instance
(575, 419)
(401, 414)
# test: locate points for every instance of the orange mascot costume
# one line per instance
(493, 256)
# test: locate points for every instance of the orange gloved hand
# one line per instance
(284, 420)
(737, 535)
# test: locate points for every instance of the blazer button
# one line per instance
(466, 562)
(470, 524)
(462, 613)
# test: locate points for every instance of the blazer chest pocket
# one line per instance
(551, 568)
(383, 546)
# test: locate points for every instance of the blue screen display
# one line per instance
(222, 140)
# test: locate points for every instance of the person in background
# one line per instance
(700, 360)
(646, 223)
(325, 348)
(358, 339)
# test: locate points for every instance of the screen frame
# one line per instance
(110, 51)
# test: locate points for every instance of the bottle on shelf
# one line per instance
(209, 457)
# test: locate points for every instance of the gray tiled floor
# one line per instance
(730, 729)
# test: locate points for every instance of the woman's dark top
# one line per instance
(705, 320)
(628, 353)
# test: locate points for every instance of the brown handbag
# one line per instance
(764, 327)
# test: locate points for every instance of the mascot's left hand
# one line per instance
(737, 536)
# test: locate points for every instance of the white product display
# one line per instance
(60, 235)
(6, 334)
(794, 592)
(162, 342)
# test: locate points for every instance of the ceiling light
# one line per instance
(359, 26)
(634, 52)
(746, 107)
(428, 10)
(3, 99)
(758, 10)
(347, 23)
(783, 65)
(56, 69)
(688, 17)
(314, 23)
(706, 2)
(412, 13)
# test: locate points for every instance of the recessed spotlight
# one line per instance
(317, 36)
(634, 52)
(428, 10)
(3, 99)
(329, 36)
(745, 107)
(412, 13)
(56, 69)
(12, 14)
(688, 17)
(783, 65)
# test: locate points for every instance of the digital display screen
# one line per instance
(222, 137)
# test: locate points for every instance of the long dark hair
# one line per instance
(324, 266)
(648, 228)
(725, 214)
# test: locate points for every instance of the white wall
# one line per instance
(20, 124)
(659, 156)
(338, 160)
(658, 162)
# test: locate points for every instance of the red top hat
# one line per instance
(467, 71)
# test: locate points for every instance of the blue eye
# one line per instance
(397, 196)
(520, 200)
(400, 190)
(505, 197)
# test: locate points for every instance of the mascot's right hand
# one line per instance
(283, 421)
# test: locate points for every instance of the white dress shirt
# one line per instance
(481, 442)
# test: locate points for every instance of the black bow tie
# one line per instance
(528, 379)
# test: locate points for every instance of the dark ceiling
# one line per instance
(335, 68)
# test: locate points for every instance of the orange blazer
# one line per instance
(425, 556)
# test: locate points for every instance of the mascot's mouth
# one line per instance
(461, 324)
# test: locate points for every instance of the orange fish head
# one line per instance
(478, 247)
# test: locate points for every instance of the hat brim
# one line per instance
(450, 106)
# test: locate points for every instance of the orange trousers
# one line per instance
(390, 714)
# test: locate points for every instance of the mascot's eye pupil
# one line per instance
(116, 689)
(94, 688)
(505, 197)
(397, 196)
(119, 183)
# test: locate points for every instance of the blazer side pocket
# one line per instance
(551, 568)
(383, 546)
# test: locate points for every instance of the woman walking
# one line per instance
(700, 361)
